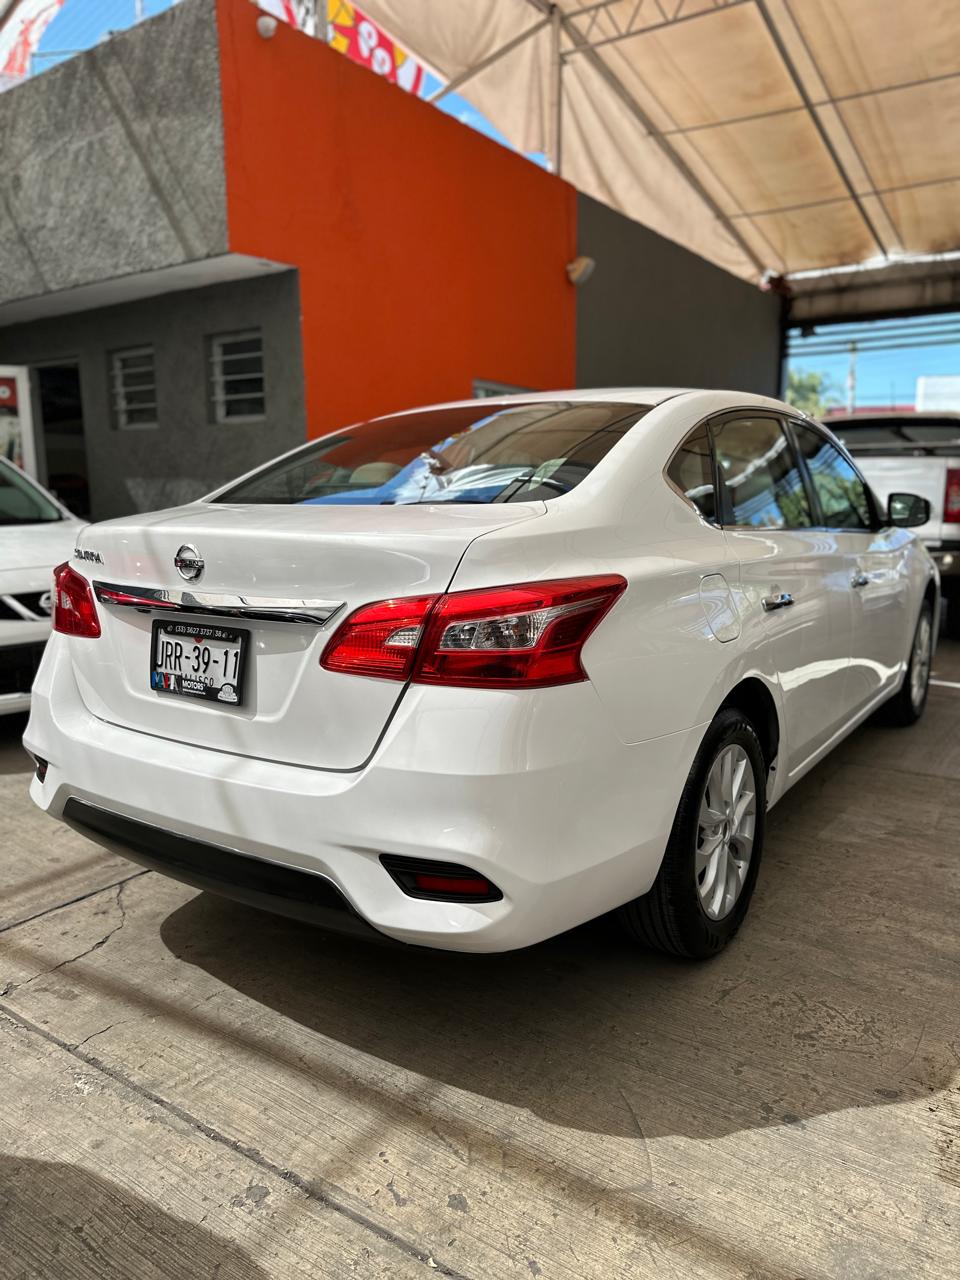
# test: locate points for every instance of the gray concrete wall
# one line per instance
(185, 456)
(113, 160)
(655, 314)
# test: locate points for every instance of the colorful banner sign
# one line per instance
(22, 29)
(350, 31)
(282, 9)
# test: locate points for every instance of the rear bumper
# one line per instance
(302, 895)
(534, 791)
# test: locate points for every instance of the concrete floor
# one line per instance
(192, 1089)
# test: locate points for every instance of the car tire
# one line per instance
(907, 705)
(685, 914)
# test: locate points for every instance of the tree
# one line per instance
(810, 391)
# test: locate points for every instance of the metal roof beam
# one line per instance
(632, 33)
(818, 124)
(629, 101)
(453, 85)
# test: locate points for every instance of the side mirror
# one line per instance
(907, 510)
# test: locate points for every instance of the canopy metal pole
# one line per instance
(555, 109)
(453, 85)
(604, 70)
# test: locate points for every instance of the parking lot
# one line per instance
(194, 1089)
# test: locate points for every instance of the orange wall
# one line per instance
(428, 255)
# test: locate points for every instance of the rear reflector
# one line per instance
(951, 497)
(439, 881)
(524, 636)
(74, 610)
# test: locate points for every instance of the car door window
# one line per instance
(763, 487)
(840, 491)
(691, 471)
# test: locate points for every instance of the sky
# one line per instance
(82, 23)
(883, 377)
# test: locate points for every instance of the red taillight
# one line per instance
(525, 636)
(112, 595)
(529, 635)
(951, 497)
(380, 639)
(74, 610)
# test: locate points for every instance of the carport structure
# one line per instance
(770, 136)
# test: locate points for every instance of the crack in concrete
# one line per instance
(71, 902)
(11, 987)
(305, 1186)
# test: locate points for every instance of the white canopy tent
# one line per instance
(766, 135)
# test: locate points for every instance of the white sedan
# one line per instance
(36, 532)
(471, 675)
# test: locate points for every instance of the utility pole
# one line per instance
(852, 379)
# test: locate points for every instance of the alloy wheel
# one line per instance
(920, 662)
(728, 817)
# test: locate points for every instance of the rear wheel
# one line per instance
(907, 706)
(709, 870)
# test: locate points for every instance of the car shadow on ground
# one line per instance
(811, 1010)
(59, 1220)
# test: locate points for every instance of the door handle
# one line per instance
(779, 600)
(860, 579)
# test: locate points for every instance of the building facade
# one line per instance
(214, 245)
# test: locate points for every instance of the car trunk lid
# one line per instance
(292, 710)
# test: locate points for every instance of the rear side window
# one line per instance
(840, 492)
(691, 471)
(480, 452)
(759, 475)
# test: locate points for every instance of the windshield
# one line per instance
(21, 502)
(902, 435)
(473, 453)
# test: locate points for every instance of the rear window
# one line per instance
(900, 435)
(472, 453)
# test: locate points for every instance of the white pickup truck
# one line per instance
(916, 453)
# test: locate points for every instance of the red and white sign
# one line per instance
(282, 9)
(22, 29)
(350, 31)
(8, 395)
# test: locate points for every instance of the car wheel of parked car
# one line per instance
(907, 707)
(706, 879)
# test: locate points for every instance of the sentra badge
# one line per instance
(93, 556)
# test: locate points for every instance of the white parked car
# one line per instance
(36, 532)
(474, 674)
(920, 452)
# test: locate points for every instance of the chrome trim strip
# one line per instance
(315, 613)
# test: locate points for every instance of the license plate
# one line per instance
(198, 660)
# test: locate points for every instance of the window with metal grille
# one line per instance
(236, 361)
(134, 382)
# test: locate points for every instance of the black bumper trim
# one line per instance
(253, 881)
